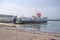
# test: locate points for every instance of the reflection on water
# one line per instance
(53, 27)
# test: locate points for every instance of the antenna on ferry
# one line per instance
(36, 10)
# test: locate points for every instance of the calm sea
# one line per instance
(50, 26)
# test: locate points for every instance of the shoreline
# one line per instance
(8, 24)
(10, 33)
(14, 26)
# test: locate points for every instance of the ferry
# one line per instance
(34, 19)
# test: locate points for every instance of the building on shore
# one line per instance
(6, 18)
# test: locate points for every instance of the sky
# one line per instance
(27, 8)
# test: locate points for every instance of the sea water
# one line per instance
(50, 26)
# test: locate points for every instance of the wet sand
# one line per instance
(11, 33)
